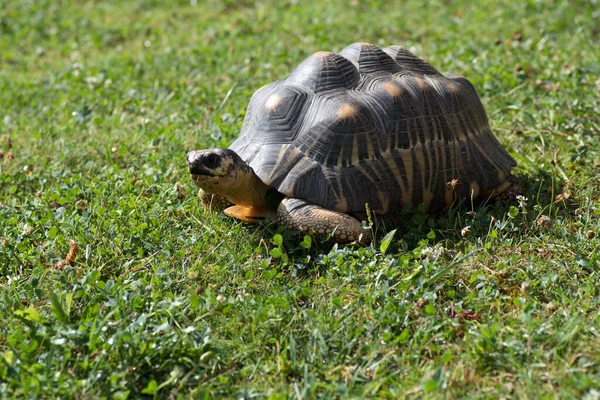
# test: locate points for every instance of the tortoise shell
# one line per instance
(372, 126)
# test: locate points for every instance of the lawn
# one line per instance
(115, 284)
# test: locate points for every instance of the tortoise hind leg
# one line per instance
(507, 190)
(309, 218)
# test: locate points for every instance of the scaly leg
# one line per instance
(309, 218)
(213, 201)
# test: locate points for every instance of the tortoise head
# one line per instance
(223, 172)
(212, 166)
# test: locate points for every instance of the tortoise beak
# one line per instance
(195, 164)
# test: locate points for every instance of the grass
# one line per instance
(100, 101)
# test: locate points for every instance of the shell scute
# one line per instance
(325, 71)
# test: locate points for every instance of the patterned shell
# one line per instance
(371, 125)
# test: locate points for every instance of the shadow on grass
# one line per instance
(475, 217)
(542, 193)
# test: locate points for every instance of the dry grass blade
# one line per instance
(70, 256)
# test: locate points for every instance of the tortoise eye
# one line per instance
(211, 160)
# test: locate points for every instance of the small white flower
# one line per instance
(522, 203)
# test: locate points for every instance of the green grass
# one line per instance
(99, 102)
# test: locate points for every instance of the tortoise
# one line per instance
(366, 127)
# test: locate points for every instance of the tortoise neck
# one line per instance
(250, 190)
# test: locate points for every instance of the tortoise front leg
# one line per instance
(309, 218)
(215, 202)
(212, 202)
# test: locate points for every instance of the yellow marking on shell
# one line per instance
(458, 133)
(354, 151)
(342, 205)
(430, 157)
(370, 151)
(347, 111)
(408, 167)
(338, 163)
(452, 88)
(442, 163)
(365, 173)
(450, 197)
(287, 186)
(427, 198)
(422, 84)
(475, 190)
(411, 142)
(388, 158)
(322, 54)
(392, 89)
(501, 175)
(333, 177)
(473, 135)
(420, 155)
(451, 162)
(385, 204)
(279, 161)
(437, 132)
(290, 190)
(282, 152)
(272, 102)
